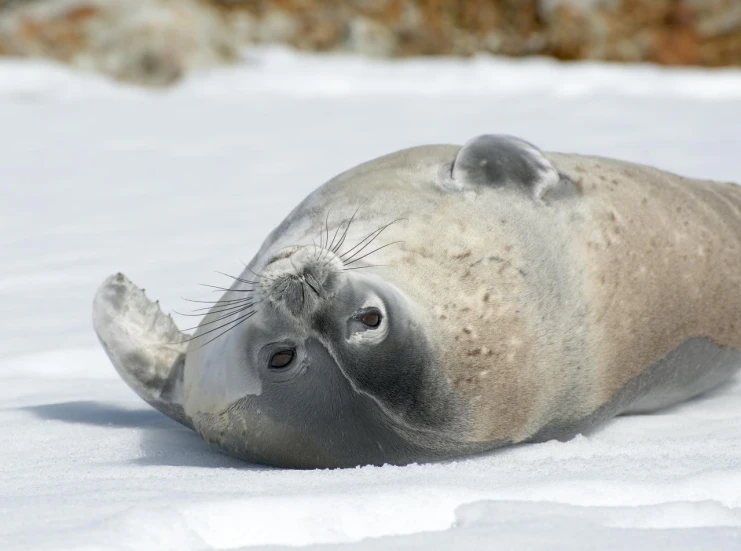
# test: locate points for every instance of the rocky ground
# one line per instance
(685, 32)
(148, 42)
(155, 41)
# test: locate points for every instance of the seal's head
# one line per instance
(329, 368)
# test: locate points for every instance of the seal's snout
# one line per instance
(300, 278)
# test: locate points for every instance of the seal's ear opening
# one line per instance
(144, 345)
(505, 162)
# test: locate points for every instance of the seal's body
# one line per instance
(442, 300)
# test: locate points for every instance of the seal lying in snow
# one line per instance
(445, 300)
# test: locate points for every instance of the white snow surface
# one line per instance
(170, 186)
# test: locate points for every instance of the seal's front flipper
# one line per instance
(144, 345)
(508, 162)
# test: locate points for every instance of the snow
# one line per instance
(170, 186)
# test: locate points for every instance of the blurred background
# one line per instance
(156, 42)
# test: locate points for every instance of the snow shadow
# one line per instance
(100, 414)
(162, 440)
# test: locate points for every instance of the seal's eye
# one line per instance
(371, 318)
(282, 359)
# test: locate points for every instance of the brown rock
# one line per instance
(319, 32)
(149, 42)
(369, 37)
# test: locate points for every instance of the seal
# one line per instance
(445, 300)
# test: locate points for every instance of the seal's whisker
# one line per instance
(344, 234)
(210, 312)
(201, 311)
(373, 251)
(327, 257)
(242, 302)
(239, 278)
(336, 231)
(324, 238)
(326, 225)
(334, 248)
(225, 289)
(248, 316)
(321, 238)
(220, 318)
(221, 326)
(341, 241)
(233, 309)
(363, 267)
(202, 314)
(258, 276)
(215, 301)
(347, 222)
(372, 236)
